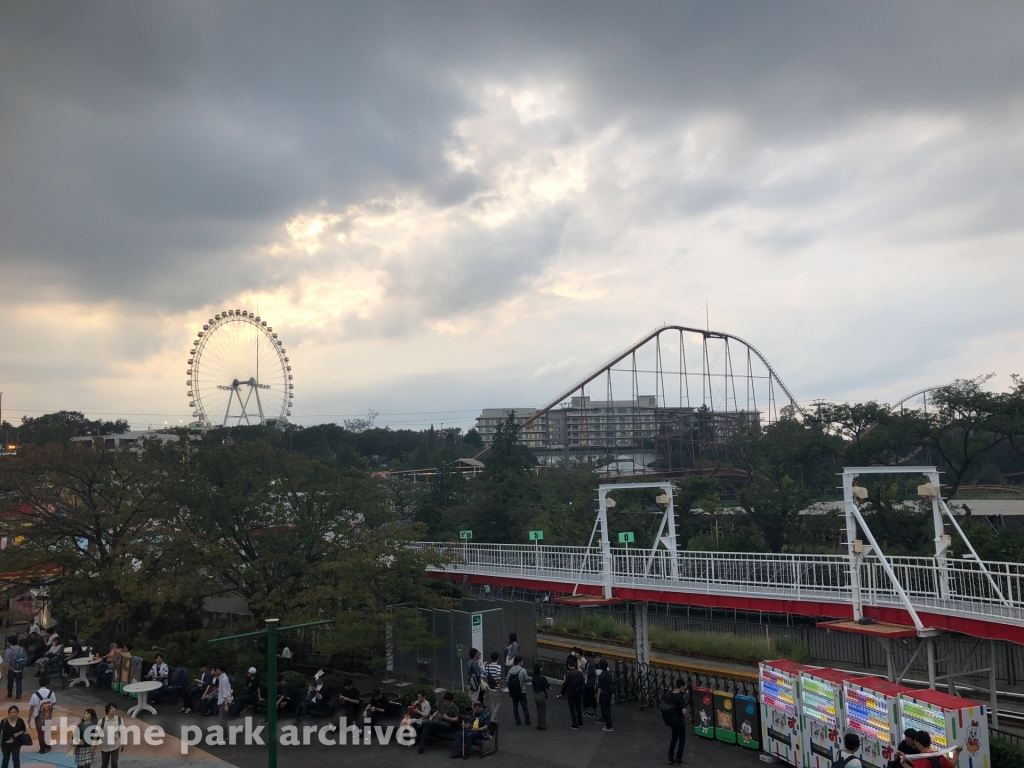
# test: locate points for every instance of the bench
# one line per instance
(480, 746)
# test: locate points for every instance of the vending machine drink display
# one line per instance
(872, 712)
(950, 722)
(704, 711)
(725, 717)
(821, 716)
(748, 724)
(780, 714)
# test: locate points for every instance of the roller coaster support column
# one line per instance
(942, 540)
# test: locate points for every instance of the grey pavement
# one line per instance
(640, 739)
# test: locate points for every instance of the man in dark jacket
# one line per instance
(572, 687)
(674, 718)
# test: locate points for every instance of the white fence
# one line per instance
(958, 587)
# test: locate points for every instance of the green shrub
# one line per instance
(411, 692)
(725, 646)
(463, 701)
(1006, 755)
(298, 680)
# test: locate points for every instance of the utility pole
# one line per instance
(271, 635)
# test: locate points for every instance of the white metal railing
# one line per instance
(967, 588)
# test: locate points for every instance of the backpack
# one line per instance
(491, 682)
(842, 761)
(668, 713)
(515, 684)
(20, 660)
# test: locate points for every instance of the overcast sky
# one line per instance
(446, 206)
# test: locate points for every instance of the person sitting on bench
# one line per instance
(473, 732)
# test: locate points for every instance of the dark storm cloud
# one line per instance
(149, 151)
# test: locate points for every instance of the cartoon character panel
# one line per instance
(748, 725)
(704, 709)
(725, 717)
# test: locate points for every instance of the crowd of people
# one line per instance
(587, 687)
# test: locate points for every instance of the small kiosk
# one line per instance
(780, 713)
(950, 721)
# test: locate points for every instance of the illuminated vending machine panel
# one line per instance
(950, 722)
(780, 716)
(821, 716)
(872, 712)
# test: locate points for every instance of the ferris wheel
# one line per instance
(239, 372)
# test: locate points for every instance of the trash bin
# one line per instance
(725, 717)
(748, 723)
(704, 710)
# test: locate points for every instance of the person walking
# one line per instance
(12, 731)
(110, 737)
(540, 687)
(40, 710)
(572, 688)
(848, 756)
(605, 683)
(224, 700)
(492, 679)
(83, 738)
(673, 709)
(16, 659)
(516, 684)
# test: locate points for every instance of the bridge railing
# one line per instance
(963, 586)
(956, 586)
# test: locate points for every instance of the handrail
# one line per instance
(992, 590)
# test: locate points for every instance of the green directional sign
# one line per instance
(465, 535)
(536, 535)
(458, 650)
(626, 537)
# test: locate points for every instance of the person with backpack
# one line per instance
(673, 710)
(540, 687)
(110, 737)
(605, 682)
(572, 689)
(16, 659)
(516, 684)
(475, 678)
(848, 756)
(40, 710)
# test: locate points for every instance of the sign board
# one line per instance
(465, 535)
(478, 631)
(458, 650)
(536, 535)
(626, 537)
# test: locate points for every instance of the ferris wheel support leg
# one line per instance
(227, 410)
(259, 404)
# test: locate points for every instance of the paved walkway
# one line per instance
(639, 739)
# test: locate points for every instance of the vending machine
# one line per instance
(822, 717)
(780, 714)
(950, 721)
(872, 712)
